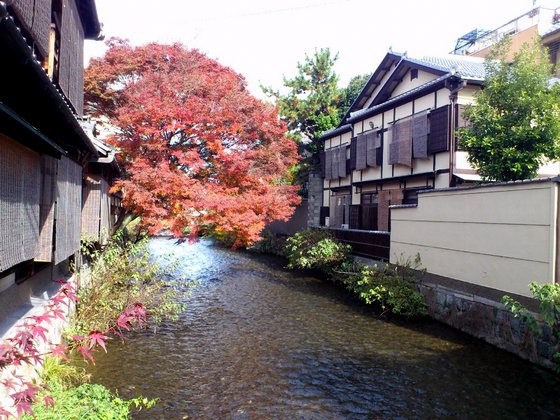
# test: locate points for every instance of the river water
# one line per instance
(259, 342)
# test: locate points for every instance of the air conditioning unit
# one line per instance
(344, 226)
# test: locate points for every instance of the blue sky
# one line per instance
(264, 39)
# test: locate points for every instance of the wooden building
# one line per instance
(396, 139)
(43, 148)
(398, 136)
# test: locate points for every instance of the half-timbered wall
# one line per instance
(20, 170)
(68, 209)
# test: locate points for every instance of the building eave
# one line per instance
(336, 132)
(90, 19)
(49, 112)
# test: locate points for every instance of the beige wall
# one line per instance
(502, 237)
(517, 41)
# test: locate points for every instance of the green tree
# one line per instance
(514, 124)
(311, 104)
(351, 92)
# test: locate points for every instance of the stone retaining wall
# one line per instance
(489, 320)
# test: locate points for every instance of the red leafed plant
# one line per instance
(200, 153)
(30, 344)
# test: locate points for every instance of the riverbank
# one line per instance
(473, 309)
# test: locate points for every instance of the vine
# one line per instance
(548, 296)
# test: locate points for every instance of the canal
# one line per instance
(257, 342)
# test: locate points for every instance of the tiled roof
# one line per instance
(467, 67)
(336, 131)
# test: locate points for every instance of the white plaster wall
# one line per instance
(502, 237)
(407, 84)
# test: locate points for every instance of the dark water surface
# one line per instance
(260, 342)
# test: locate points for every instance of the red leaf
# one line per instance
(49, 402)
(97, 338)
(59, 351)
(86, 354)
(123, 321)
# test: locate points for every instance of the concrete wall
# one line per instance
(498, 236)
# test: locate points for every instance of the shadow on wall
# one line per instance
(297, 222)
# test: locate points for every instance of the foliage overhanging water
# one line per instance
(257, 341)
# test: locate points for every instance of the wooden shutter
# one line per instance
(438, 139)
(91, 205)
(322, 163)
(379, 151)
(35, 17)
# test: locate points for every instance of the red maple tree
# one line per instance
(200, 153)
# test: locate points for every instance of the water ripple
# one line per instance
(258, 342)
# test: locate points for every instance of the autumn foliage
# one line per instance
(200, 153)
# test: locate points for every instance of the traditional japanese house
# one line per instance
(396, 139)
(43, 148)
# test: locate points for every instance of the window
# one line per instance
(410, 195)
(413, 74)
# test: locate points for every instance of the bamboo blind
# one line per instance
(71, 77)
(65, 47)
(68, 209)
(47, 207)
(19, 203)
(97, 220)
(91, 206)
(35, 16)
(106, 220)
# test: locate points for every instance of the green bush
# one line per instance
(67, 397)
(317, 250)
(270, 243)
(120, 275)
(393, 287)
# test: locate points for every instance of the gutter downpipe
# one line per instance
(455, 83)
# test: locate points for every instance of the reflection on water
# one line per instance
(259, 342)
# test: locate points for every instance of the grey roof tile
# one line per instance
(469, 67)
